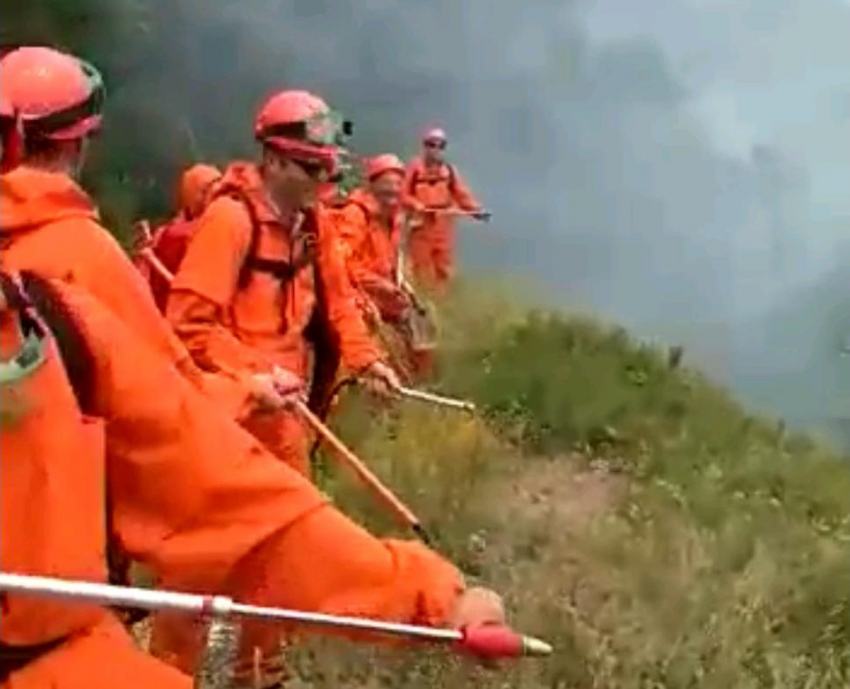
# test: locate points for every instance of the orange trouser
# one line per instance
(431, 251)
(103, 657)
(284, 435)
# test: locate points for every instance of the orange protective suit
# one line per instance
(191, 496)
(432, 235)
(50, 226)
(233, 319)
(372, 248)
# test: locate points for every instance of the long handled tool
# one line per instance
(486, 642)
(439, 400)
(154, 262)
(363, 472)
(386, 496)
(461, 213)
(144, 250)
(400, 255)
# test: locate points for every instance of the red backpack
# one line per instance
(158, 254)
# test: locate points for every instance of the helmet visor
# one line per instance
(324, 129)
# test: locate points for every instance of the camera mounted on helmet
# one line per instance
(303, 128)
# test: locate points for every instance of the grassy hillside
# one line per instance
(632, 514)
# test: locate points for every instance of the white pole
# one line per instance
(431, 398)
(147, 599)
(484, 641)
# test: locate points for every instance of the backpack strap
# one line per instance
(80, 367)
(31, 354)
(246, 268)
(286, 271)
(415, 179)
(77, 358)
(280, 269)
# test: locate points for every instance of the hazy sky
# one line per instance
(616, 146)
(776, 70)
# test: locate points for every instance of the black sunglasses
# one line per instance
(315, 171)
(438, 145)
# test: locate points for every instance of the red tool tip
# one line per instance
(494, 642)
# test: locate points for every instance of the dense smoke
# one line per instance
(681, 168)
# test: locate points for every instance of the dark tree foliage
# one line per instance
(184, 79)
(149, 53)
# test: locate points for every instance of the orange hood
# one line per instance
(30, 198)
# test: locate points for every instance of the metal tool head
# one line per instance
(535, 647)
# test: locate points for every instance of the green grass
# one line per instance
(722, 562)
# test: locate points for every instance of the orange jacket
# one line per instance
(50, 226)
(230, 326)
(438, 187)
(191, 496)
(372, 252)
(371, 247)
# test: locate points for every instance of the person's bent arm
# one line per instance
(389, 298)
(357, 347)
(463, 195)
(408, 196)
(351, 228)
(198, 500)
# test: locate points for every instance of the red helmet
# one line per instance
(56, 95)
(303, 127)
(380, 164)
(10, 135)
(434, 135)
